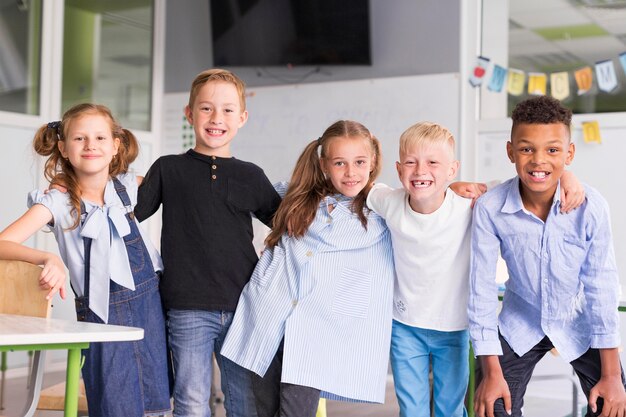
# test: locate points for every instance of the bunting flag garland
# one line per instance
(605, 73)
(559, 85)
(583, 78)
(498, 77)
(591, 132)
(516, 81)
(479, 72)
(537, 82)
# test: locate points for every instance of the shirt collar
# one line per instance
(513, 202)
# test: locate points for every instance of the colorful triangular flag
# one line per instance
(516, 81)
(605, 74)
(476, 78)
(537, 83)
(498, 76)
(584, 78)
(559, 85)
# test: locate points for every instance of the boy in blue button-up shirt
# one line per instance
(563, 284)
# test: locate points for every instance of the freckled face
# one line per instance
(348, 164)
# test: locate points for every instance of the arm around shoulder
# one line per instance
(149, 194)
(378, 198)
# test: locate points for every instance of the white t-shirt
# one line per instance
(431, 253)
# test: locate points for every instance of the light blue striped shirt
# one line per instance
(563, 280)
(329, 294)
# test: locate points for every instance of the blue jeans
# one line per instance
(412, 351)
(194, 335)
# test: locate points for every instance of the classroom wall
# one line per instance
(408, 37)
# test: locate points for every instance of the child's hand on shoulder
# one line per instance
(572, 192)
(56, 185)
(471, 190)
(53, 276)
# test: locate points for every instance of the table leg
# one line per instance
(71, 385)
(32, 398)
(3, 368)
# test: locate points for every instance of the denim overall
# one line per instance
(128, 379)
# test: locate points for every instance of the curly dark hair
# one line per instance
(541, 110)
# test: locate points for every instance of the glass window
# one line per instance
(550, 36)
(20, 49)
(107, 57)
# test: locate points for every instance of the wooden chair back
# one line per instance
(20, 292)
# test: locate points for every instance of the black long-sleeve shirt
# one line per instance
(206, 238)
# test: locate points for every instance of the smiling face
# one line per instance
(540, 153)
(425, 172)
(348, 164)
(89, 145)
(216, 117)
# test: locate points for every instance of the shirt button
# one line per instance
(214, 176)
(214, 166)
(213, 158)
(545, 280)
(329, 220)
(309, 253)
(294, 303)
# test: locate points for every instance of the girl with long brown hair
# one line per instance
(318, 305)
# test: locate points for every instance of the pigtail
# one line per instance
(126, 153)
(59, 171)
(307, 187)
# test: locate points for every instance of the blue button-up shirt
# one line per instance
(329, 295)
(563, 280)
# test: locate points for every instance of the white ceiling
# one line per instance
(528, 47)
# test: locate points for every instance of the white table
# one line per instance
(39, 335)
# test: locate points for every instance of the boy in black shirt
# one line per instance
(206, 242)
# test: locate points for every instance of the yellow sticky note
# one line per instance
(559, 85)
(537, 82)
(591, 132)
(584, 77)
(515, 82)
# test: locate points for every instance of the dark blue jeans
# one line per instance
(194, 335)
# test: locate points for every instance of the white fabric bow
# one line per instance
(108, 258)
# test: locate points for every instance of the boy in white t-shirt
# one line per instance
(430, 230)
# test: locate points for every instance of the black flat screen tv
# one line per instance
(290, 32)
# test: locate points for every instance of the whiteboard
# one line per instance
(600, 165)
(284, 119)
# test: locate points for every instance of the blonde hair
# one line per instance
(217, 74)
(308, 185)
(58, 170)
(425, 134)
